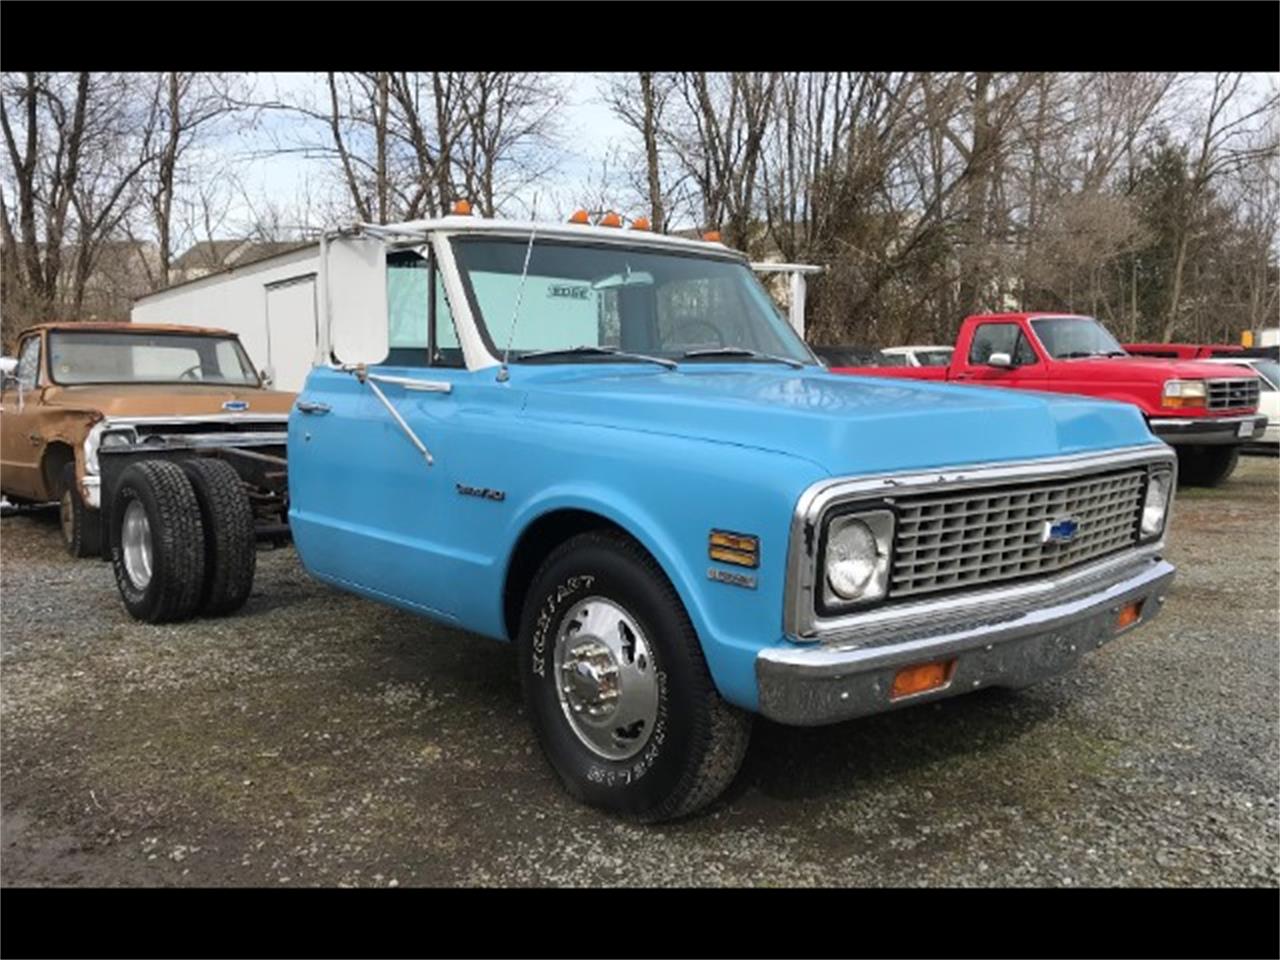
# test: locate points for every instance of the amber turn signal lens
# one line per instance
(1129, 614)
(580, 216)
(462, 208)
(921, 677)
(741, 549)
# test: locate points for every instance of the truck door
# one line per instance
(291, 331)
(369, 506)
(21, 444)
(1025, 369)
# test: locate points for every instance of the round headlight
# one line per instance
(852, 555)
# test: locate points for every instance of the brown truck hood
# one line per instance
(160, 400)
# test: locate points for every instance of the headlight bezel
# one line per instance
(1159, 477)
(1180, 392)
(881, 521)
(98, 438)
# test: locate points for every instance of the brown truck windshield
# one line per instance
(102, 356)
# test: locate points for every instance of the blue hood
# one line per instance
(844, 424)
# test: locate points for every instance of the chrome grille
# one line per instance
(955, 540)
(1225, 394)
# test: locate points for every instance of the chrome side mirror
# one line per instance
(8, 366)
(264, 375)
(1002, 360)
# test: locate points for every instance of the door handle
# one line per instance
(311, 406)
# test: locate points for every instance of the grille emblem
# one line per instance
(236, 405)
(1060, 531)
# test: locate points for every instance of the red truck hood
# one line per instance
(1130, 369)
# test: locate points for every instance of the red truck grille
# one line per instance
(957, 540)
(1227, 394)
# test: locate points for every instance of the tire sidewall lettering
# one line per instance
(547, 616)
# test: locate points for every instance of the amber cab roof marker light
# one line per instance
(640, 223)
(711, 236)
(610, 219)
(580, 216)
(462, 208)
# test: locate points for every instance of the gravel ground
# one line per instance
(316, 738)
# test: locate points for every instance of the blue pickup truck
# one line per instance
(607, 447)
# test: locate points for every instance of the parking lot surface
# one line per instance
(317, 738)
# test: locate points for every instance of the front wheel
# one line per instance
(81, 526)
(616, 685)
(1206, 466)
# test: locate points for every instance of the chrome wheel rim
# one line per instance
(606, 679)
(135, 544)
(66, 515)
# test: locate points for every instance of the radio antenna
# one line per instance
(503, 372)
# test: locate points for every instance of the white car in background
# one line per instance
(1268, 372)
(920, 356)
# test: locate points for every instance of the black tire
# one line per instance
(176, 539)
(698, 740)
(1206, 466)
(230, 547)
(81, 526)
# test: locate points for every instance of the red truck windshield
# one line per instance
(1066, 338)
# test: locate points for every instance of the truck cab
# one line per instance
(609, 448)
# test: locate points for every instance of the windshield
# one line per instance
(622, 299)
(1066, 338)
(110, 356)
(1270, 371)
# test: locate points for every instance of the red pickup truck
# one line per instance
(1205, 411)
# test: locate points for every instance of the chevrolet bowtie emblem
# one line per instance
(1060, 531)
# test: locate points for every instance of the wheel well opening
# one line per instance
(538, 540)
(56, 456)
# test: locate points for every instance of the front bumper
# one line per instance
(827, 683)
(1216, 430)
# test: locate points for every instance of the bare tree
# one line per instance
(1228, 139)
(718, 139)
(77, 145)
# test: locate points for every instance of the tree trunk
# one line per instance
(658, 216)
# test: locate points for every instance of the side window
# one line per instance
(408, 316)
(1001, 338)
(1024, 353)
(29, 363)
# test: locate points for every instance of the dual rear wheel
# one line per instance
(182, 539)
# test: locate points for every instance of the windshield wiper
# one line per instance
(590, 351)
(742, 352)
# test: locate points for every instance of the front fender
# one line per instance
(673, 522)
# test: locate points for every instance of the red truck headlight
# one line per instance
(1184, 393)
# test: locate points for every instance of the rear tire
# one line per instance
(230, 549)
(157, 542)
(81, 526)
(1208, 466)
(581, 697)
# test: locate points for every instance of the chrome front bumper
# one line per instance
(1215, 430)
(814, 684)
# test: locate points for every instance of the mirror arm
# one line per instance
(363, 375)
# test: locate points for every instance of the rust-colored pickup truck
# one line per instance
(74, 388)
